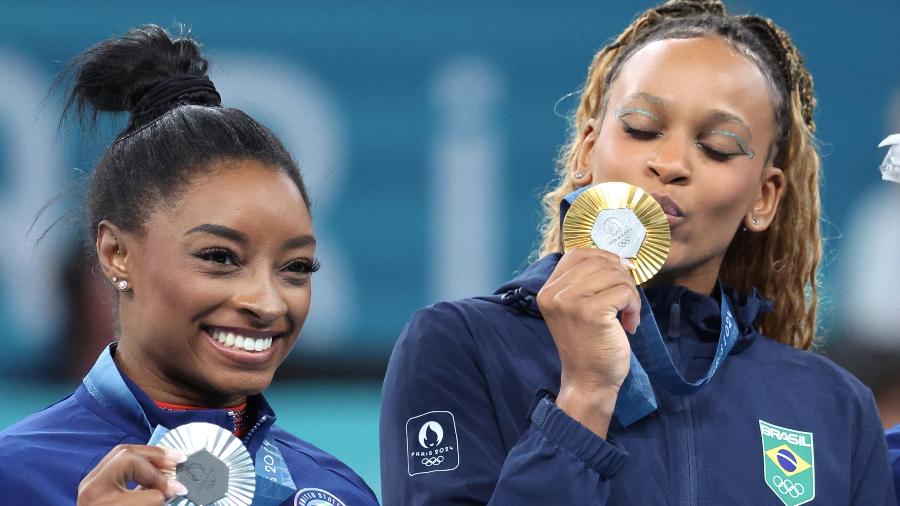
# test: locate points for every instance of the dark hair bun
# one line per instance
(115, 74)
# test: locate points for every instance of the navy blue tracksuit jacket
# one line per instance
(44, 457)
(467, 419)
(893, 437)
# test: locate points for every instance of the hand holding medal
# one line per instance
(615, 236)
(625, 221)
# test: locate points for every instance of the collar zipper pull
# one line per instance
(674, 328)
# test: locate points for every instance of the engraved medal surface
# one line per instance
(622, 219)
(218, 470)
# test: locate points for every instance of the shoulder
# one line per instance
(313, 469)
(53, 449)
(462, 326)
(812, 371)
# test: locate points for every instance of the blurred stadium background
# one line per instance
(426, 131)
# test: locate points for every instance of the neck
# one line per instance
(701, 280)
(163, 389)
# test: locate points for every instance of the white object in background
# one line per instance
(890, 167)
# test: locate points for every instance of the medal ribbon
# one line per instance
(105, 384)
(650, 359)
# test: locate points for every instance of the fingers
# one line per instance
(593, 281)
(138, 464)
(159, 456)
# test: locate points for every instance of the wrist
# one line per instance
(591, 405)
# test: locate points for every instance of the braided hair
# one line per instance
(782, 261)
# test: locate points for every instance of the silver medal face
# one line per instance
(218, 470)
(618, 231)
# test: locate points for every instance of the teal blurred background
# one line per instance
(426, 131)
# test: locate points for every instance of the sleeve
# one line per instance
(871, 480)
(893, 442)
(441, 443)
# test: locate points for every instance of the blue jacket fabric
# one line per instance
(466, 416)
(893, 439)
(44, 457)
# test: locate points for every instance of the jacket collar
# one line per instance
(117, 393)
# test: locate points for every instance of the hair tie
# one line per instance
(170, 89)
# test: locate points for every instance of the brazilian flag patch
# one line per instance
(789, 463)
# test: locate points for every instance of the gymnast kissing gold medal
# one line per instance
(218, 470)
(622, 219)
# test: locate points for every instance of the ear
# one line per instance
(582, 166)
(766, 205)
(112, 250)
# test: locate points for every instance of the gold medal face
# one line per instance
(623, 219)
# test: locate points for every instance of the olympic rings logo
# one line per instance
(433, 461)
(784, 486)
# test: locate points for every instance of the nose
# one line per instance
(669, 161)
(261, 300)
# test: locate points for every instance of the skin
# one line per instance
(687, 119)
(187, 278)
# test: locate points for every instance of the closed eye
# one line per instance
(644, 135)
(719, 156)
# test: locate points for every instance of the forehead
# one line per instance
(697, 73)
(242, 194)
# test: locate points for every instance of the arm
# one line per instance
(434, 376)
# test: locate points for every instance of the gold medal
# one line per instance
(622, 219)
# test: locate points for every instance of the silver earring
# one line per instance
(122, 285)
(755, 220)
(579, 175)
(114, 279)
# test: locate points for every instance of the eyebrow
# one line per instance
(221, 231)
(653, 99)
(239, 237)
(715, 116)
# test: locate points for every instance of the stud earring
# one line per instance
(755, 220)
(579, 175)
(121, 285)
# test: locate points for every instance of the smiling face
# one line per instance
(220, 285)
(691, 121)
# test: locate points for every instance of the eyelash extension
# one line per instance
(715, 154)
(308, 267)
(207, 254)
(639, 134)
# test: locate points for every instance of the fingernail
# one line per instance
(175, 456)
(627, 263)
(176, 488)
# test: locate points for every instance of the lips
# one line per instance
(674, 214)
(244, 340)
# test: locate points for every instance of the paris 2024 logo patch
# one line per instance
(431, 443)
(789, 463)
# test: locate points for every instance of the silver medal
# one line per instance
(218, 470)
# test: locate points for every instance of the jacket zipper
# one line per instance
(691, 452)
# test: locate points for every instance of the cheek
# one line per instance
(299, 300)
(180, 290)
(612, 160)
